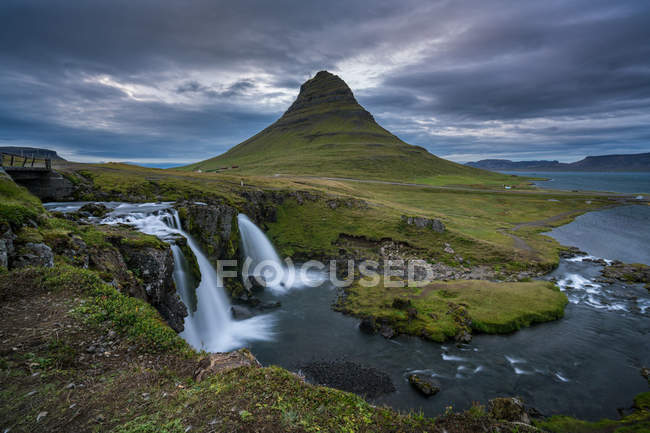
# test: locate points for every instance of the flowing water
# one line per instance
(586, 364)
(209, 325)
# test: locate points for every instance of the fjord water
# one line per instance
(634, 183)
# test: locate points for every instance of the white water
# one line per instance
(211, 327)
(261, 260)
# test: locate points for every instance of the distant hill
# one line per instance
(630, 162)
(325, 132)
(31, 151)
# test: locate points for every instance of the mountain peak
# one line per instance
(325, 91)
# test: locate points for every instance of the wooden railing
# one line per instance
(13, 161)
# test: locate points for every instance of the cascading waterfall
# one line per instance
(210, 327)
(264, 261)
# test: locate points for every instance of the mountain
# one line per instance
(629, 162)
(31, 151)
(326, 132)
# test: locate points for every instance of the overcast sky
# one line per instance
(165, 81)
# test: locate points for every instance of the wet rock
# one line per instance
(239, 312)
(155, 267)
(570, 252)
(427, 385)
(349, 376)
(33, 254)
(508, 409)
(256, 283)
(387, 332)
(216, 363)
(631, 273)
(94, 209)
(368, 325)
(269, 305)
(645, 372)
(213, 225)
(463, 336)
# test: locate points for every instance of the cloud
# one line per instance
(187, 80)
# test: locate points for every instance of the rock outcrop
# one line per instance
(214, 226)
(33, 254)
(219, 363)
(421, 222)
(426, 385)
(154, 269)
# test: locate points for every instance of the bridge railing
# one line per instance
(11, 160)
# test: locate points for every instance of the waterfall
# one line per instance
(211, 326)
(263, 261)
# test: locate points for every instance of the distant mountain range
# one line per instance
(31, 151)
(633, 162)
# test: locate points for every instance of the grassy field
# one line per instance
(441, 310)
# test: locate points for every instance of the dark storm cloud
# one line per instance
(176, 80)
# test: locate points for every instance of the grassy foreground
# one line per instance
(441, 310)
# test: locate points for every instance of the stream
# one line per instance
(585, 365)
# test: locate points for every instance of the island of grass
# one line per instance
(447, 309)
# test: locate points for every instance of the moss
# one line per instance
(443, 309)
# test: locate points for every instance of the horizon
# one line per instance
(466, 81)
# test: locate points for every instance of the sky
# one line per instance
(165, 82)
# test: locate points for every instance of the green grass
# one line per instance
(638, 421)
(17, 205)
(442, 307)
(325, 137)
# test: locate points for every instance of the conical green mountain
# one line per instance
(326, 132)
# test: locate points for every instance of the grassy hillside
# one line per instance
(327, 133)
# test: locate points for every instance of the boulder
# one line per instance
(387, 332)
(219, 363)
(33, 254)
(508, 409)
(368, 325)
(7, 237)
(256, 283)
(427, 385)
(240, 312)
(421, 222)
(94, 209)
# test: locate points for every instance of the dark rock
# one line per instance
(214, 226)
(7, 237)
(401, 304)
(94, 209)
(387, 332)
(570, 252)
(368, 325)
(427, 385)
(219, 363)
(155, 267)
(631, 273)
(508, 409)
(239, 312)
(349, 376)
(463, 336)
(256, 283)
(33, 254)
(645, 372)
(421, 222)
(269, 305)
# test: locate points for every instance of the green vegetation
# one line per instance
(17, 205)
(441, 310)
(327, 133)
(638, 421)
